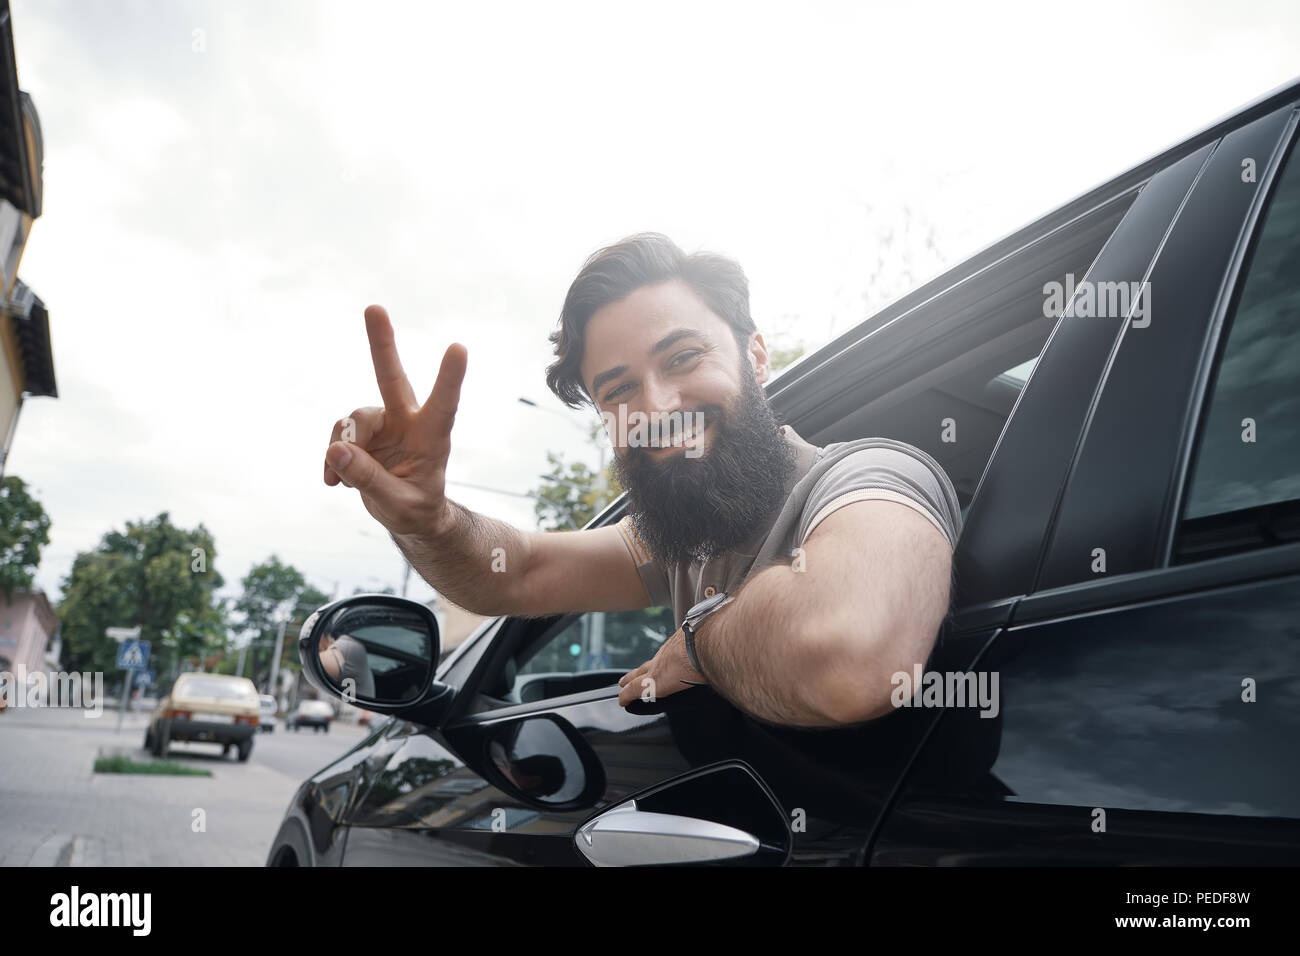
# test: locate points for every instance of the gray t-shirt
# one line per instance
(824, 480)
(356, 665)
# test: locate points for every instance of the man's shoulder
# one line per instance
(878, 468)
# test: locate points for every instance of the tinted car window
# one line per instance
(1247, 465)
(602, 641)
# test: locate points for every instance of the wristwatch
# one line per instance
(693, 618)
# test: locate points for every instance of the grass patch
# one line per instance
(123, 764)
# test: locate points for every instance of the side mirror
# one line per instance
(377, 652)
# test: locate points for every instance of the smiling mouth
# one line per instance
(682, 439)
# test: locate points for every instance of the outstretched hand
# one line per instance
(396, 456)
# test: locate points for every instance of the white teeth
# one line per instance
(679, 439)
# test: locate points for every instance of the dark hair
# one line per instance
(615, 272)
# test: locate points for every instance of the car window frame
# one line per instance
(1164, 578)
(1008, 524)
(1288, 151)
(1150, 465)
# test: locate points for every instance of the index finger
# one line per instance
(394, 386)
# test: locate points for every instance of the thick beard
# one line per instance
(690, 509)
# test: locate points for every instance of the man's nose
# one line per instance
(661, 396)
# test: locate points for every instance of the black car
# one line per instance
(1114, 391)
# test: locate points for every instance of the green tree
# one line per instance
(570, 495)
(780, 358)
(24, 530)
(270, 591)
(153, 574)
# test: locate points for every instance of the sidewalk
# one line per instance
(55, 811)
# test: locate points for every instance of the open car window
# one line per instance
(576, 654)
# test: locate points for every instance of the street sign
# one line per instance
(121, 634)
(143, 678)
(133, 655)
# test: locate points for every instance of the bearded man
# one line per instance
(800, 577)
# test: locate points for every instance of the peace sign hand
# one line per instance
(396, 456)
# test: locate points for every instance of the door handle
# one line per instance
(626, 836)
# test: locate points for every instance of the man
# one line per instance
(823, 572)
(345, 659)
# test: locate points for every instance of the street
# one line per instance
(57, 812)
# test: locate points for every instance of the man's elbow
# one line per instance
(860, 703)
(858, 672)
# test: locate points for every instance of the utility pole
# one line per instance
(275, 661)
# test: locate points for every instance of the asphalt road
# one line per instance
(295, 754)
(56, 811)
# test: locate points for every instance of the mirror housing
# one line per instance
(378, 652)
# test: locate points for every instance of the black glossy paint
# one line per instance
(1138, 711)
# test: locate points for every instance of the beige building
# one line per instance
(27, 363)
(27, 622)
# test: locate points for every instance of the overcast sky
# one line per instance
(229, 184)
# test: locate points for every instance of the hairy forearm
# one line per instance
(766, 652)
(461, 560)
(818, 646)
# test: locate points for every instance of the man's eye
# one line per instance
(680, 356)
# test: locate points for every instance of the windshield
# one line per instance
(214, 687)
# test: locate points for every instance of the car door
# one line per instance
(1150, 681)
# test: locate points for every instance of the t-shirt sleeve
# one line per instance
(893, 472)
(651, 572)
(354, 654)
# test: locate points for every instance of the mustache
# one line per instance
(676, 425)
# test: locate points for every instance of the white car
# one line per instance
(311, 713)
(269, 707)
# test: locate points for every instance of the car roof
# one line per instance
(809, 363)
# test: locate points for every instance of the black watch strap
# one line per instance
(689, 634)
(694, 617)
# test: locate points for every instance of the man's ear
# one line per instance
(759, 358)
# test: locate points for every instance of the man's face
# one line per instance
(662, 355)
(662, 350)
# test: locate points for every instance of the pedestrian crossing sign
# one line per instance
(133, 655)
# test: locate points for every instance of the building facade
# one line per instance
(26, 355)
(27, 625)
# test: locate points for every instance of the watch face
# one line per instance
(707, 605)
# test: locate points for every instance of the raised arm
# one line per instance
(396, 457)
